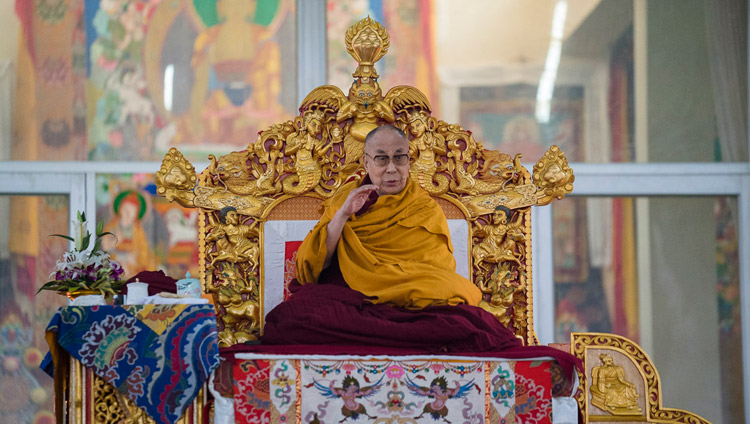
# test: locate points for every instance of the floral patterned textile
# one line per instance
(159, 356)
(391, 390)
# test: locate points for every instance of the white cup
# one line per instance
(136, 292)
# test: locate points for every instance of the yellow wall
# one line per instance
(8, 31)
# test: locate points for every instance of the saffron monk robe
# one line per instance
(377, 276)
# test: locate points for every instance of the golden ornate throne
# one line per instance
(293, 166)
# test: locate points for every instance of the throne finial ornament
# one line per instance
(367, 42)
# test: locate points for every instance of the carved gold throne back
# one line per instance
(256, 202)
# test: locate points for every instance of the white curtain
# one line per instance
(6, 132)
(726, 26)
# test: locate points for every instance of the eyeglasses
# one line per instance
(382, 160)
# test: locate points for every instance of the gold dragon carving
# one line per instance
(318, 151)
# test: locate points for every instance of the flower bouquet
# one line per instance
(82, 271)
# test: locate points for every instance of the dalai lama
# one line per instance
(378, 271)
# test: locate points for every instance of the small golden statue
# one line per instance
(237, 297)
(234, 242)
(610, 391)
(307, 148)
(427, 147)
(502, 242)
(501, 289)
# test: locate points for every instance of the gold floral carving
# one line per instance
(109, 406)
(321, 149)
(623, 349)
(106, 407)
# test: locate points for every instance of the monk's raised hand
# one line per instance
(357, 199)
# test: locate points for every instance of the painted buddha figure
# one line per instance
(236, 72)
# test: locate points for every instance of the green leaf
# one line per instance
(99, 228)
(48, 286)
(86, 240)
(63, 236)
(98, 243)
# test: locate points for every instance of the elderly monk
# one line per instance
(378, 271)
(397, 249)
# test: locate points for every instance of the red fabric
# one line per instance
(252, 401)
(157, 282)
(25, 13)
(533, 379)
(290, 265)
(334, 319)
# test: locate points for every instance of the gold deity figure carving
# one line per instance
(610, 391)
(307, 148)
(234, 242)
(238, 299)
(426, 146)
(502, 242)
(365, 106)
(501, 289)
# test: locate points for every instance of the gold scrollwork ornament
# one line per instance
(552, 176)
(176, 179)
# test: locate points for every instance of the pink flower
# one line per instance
(394, 371)
(436, 368)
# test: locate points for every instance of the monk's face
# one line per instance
(389, 177)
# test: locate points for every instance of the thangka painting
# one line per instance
(201, 75)
(150, 232)
(411, 56)
(132, 78)
(503, 118)
(728, 293)
(26, 258)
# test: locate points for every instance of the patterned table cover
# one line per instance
(159, 356)
(400, 390)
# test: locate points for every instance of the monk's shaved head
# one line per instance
(385, 129)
